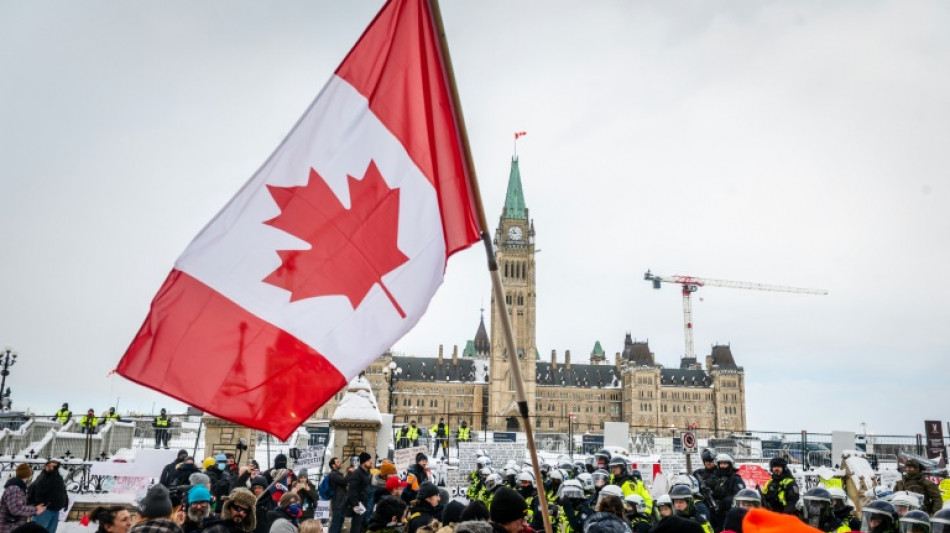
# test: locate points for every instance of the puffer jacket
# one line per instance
(14, 512)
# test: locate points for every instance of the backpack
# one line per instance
(324, 489)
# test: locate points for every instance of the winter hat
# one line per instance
(288, 499)
(388, 507)
(507, 506)
(363, 457)
(156, 503)
(198, 494)
(280, 461)
(244, 498)
(475, 510)
(208, 462)
(182, 452)
(393, 483)
(24, 471)
(427, 490)
(762, 521)
(734, 518)
(259, 481)
(302, 473)
(220, 458)
(452, 512)
(199, 479)
(474, 526)
(387, 469)
(421, 457)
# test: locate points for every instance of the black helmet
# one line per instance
(635, 474)
(708, 455)
(603, 456)
(881, 512)
(817, 506)
(915, 522)
(940, 521)
(778, 461)
(681, 492)
(750, 496)
(618, 461)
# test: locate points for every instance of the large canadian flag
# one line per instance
(333, 249)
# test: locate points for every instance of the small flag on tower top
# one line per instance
(333, 249)
(520, 134)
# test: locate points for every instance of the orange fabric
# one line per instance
(762, 521)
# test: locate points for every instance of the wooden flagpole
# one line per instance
(497, 288)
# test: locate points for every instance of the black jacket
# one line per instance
(357, 489)
(183, 473)
(724, 485)
(675, 524)
(422, 514)
(338, 483)
(169, 473)
(50, 489)
(604, 522)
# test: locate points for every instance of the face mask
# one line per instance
(295, 510)
(221, 466)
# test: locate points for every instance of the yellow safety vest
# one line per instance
(945, 488)
(63, 415)
(782, 486)
(831, 483)
(89, 421)
(413, 433)
(114, 417)
(465, 433)
(161, 422)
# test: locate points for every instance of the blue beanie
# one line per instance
(220, 458)
(198, 493)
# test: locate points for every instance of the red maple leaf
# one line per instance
(351, 249)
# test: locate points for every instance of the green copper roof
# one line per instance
(514, 200)
(469, 350)
(597, 349)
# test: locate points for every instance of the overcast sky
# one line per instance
(795, 143)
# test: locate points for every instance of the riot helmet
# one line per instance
(817, 506)
(747, 499)
(915, 522)
(878, 516)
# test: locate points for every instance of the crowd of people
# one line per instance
(604, 495)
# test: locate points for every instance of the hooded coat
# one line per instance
(226, 523)
(14, 511)
(604, 522)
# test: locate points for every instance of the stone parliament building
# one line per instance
(476, 385)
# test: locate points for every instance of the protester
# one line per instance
(387, 516)
(286, 518)
(310, 526)
(199, 514)
(425, 508)
(50, 489)
(111, 519)
(238, 514)
(169, 473)
(915, 481)
(508, 512)
(338, 483)
(14, 510)
(357, 491)
(155, 511)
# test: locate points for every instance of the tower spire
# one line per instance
(514, 198)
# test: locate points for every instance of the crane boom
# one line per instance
(691, 284)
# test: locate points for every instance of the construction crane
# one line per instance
(691, 285)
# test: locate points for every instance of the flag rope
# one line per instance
(497, 287)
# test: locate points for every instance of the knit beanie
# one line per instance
(387, 469)
(259, 481)
(156, 503)
(198, 493)
(427, 490)
(452, 512)
(364, 457)
(733, 521)
(208, 462)
(507, 506)
(421, 457)
(302, 473)
(23, 471)
(475, 510)
(199, 479)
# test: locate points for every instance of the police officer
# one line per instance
(879, 516)
(780, 493)
(621, 476)
(682, 497)
(440, 434)
(914, 481)
(89, 422)
(723, 486)
(413, 434)
(63, 415)
(160, 425)
(110, 416)
(818, 513)
(840, 506)
(709, 465)
(465, 432)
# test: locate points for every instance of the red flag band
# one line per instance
(333, 249)
(520, 134)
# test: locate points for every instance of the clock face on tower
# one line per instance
(514, 233)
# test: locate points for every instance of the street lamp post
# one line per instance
(9, 359)
(392, 372)
(570, 435)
